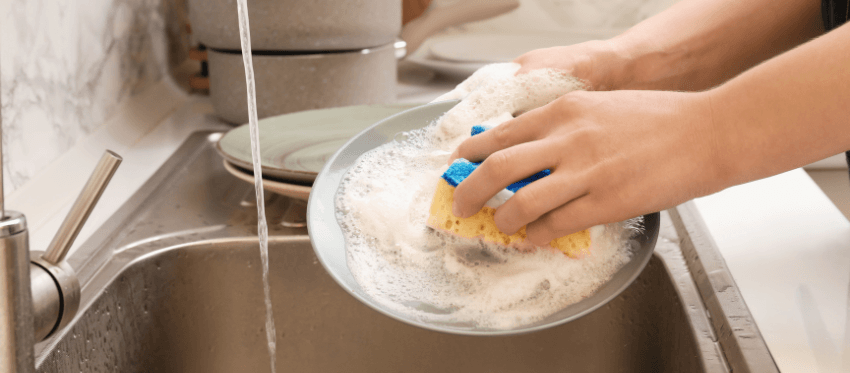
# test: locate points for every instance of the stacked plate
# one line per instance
(294, 147)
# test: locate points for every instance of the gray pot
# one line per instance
(298, 25)
(289, 83)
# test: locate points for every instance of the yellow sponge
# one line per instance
(483, 226)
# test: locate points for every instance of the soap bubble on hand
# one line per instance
(495, 94)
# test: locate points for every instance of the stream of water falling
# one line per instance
(262, 226)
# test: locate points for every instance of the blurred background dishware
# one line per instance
(311, 54)
(298, 25)
(288, 83)
(287, 189)
(458, 55)
(295, 146)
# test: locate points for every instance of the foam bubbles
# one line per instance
(383, 204)
(494, 91)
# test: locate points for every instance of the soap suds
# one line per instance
(383, 204)
(494, 92)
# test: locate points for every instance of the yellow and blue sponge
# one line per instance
(482, 225)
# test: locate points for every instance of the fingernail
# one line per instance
(456, 210)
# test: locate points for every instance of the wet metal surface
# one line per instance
(172, 283)
(199, 308)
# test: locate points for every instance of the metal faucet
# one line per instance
(39, 291)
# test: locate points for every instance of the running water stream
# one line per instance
(262, 226)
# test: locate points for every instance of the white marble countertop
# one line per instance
(787, 246)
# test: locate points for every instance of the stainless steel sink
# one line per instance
(173, 284)
(199, 308)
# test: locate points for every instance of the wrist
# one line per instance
(611, 65)
(627, 62)
(646, 64)
(726, 159)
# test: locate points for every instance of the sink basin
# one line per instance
(172, 284)
(199, 308)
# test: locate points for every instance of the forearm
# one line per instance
(699, 44)
(786, 112)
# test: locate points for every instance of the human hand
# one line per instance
(598, 63)
(494, 94)
(613, 156)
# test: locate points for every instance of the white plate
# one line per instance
(459, 55)
(490, 48)
(451, 69)
(285, 189)
(295, 146)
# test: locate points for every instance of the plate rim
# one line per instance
(271, 185)
(299, 175)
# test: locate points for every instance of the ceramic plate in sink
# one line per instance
(328, 239)
(294, 147)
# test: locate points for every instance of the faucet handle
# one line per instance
(82, 208)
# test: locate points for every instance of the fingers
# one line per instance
(539, 58)
(525, 64)
(524, 128)
(538, 198)
(580, 213)
(499, 170)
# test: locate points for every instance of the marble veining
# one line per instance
(65, 67)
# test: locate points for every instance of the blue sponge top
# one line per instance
(522, 183)
(476, 129)
(461, 168)
(458, 171)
